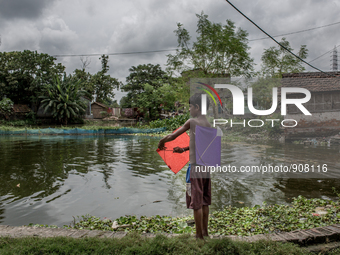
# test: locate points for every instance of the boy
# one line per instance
(200, 198)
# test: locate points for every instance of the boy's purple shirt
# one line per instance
(208, 146)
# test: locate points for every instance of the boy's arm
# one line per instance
(174, 135)
(181, 150)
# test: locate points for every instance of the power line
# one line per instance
(296, 32)
(276, 41)
(155, 51)
(111, 54)
(323, 54)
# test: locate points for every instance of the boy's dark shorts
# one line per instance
(200, 191)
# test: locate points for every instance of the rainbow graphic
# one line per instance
(209, 93)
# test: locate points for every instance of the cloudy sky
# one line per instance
(66, 27)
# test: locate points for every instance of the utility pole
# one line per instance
(334, 59)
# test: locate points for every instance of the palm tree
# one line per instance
(64, 100)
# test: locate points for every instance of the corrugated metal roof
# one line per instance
(21, 108)
(100, 104)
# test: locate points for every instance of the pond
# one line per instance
(49, 179)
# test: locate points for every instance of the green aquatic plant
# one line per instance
(244, 221)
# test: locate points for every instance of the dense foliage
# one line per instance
(24, 75)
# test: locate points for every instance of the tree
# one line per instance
(155, 98)
(112, 103)
(63, 98)
(142, 82)
(100, 85)
(125, 102)
(85, 81)
(218, 49)
(142, 74)
(263, 91)
(103, 83)
(277, 60)
(23, 75)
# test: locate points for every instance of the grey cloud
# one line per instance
(23, 9)
(127, 26)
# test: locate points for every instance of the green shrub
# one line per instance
(6, 106)
(31, 118)
(172, 123)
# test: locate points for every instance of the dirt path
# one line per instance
(302, 237)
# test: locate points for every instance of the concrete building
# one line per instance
(324, 104)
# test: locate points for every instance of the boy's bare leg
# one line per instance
(198, 216)
(205, 210)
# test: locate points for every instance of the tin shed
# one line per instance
(97, 108)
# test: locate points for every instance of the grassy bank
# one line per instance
(302, 213)
(234, 134)
(136, 244)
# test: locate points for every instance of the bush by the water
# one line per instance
(6, 106)
(171, 123)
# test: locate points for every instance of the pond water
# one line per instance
(49, 179)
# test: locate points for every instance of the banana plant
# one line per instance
(63, 98)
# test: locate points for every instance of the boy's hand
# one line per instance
(178, 150)
(161, 145)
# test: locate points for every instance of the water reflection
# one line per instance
(49, 179)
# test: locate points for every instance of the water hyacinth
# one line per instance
(244, 221)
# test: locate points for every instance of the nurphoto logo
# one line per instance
(238, 104)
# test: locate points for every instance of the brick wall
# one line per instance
(319, 124)
(319, 102)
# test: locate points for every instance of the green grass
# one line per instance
(333, 252)
(136, 244)
(11, 128)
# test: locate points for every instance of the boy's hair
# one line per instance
(197, 99)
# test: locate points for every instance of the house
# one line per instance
(97, 108)
(324, 104)
(21, 108)
(19, 111)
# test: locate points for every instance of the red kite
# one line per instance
(175, 161)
